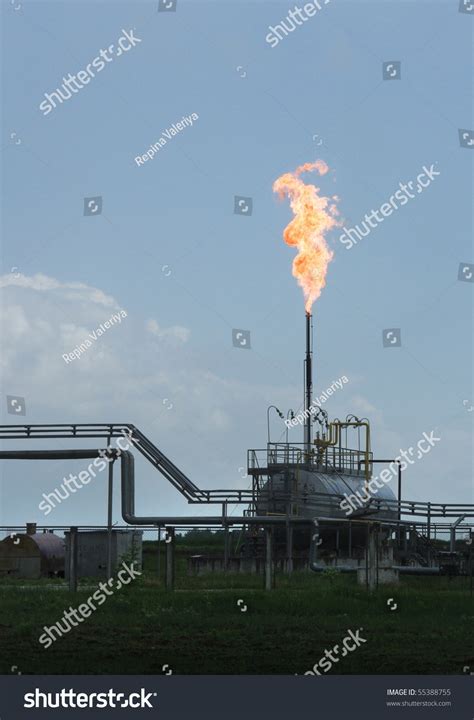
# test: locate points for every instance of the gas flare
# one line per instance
(315, 215)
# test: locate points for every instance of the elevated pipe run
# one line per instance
(56, 454)
(103, 430)
(128, 507)
(175, 476)
(127, 466)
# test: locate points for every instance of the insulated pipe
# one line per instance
(402, 569)
(55, 454)
(127, 466)
(128, 507)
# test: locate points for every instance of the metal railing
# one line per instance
(329, 459)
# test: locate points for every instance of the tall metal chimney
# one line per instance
(308, 373)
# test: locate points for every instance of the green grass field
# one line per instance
(200, 628)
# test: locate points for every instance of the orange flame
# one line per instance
(315, 215)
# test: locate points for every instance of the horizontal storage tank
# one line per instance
(314, 492)
(32, 555)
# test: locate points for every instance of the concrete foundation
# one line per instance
(202, 564)
(386, 576)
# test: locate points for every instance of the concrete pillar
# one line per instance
(170, 545)
(372, 558)
(73, 559)
(452, 538)
(268, 558)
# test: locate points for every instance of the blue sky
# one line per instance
(318, 94)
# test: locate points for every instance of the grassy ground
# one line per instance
(200, 628)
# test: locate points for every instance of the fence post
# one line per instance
(226, 547)
(289, 548)
(73, 559)
(170, 542)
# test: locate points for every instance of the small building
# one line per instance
(92, 551)
(32, 555)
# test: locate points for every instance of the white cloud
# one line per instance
(43, 283)
(178, 332)
(137, 372)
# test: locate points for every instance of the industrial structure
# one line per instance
(92, 549)
(32, 555)
(292, 509)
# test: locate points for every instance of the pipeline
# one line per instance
(128, 507)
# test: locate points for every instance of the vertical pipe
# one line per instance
(268, 558)
(170, 538)
(73, 559)
(110, 499)
(399, 490)
(308, 383)
(340, 452)
(470, 559)
(226, 547)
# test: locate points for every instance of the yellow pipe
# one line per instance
(337, 425)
